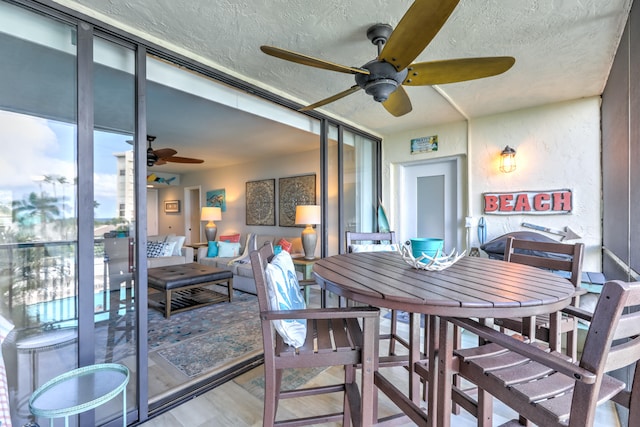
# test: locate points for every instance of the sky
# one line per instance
(34, 147)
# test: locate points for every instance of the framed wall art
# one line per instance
(172, 206)
(293, 191)
(261, 202)
(217, 199)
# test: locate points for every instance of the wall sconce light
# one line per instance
(508, 160)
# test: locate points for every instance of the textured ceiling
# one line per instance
(563, 49)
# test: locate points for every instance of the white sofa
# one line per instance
(181, 254)
(240, 266)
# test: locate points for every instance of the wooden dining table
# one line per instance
(473, 287)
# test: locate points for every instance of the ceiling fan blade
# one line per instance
(398, 102)
(310, 61)
(335, 97)
(176, 159)
(160, 162)
(456, 70)
(165, 152)
(416, 29)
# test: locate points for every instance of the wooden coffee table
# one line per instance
(183, 286)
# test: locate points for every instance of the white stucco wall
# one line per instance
(558, 146)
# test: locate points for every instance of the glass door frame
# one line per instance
(88, 28)
(86, 33)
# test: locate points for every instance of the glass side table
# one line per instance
(81, 390)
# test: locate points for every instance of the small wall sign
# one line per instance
(529, 202)
(424, 144)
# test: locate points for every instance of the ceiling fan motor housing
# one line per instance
(382, 81)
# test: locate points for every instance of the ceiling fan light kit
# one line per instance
(152, 158)
(383, 77)
(382, 80)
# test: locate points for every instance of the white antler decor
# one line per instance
(436, 263)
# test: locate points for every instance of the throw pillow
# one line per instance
(284, 293)
(179, 242)
(167, 249)
(392, 247)
(212, 251)
(228, 249)
(154, 249)
(232, 238)
(285, 244)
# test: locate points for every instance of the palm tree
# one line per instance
(44, 208)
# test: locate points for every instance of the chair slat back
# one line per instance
(259, 259)
(614, 323)
(547, 255)
(353, 237)
(601, 354)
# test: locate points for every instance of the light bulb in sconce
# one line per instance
(210, 213)
(308, 215)
(508, 160)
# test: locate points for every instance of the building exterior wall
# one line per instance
(558, 146)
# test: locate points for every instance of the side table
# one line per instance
(195, 247)
(81, 390)
(305, 266)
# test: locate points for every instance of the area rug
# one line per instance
(198, 341)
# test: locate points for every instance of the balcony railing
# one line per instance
(38, 285)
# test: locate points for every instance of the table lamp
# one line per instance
(308, 215)
(210, 213)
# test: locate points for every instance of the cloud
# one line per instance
(31, 148)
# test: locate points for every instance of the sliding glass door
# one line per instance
(41, 206)
(360, 182)
(73, 124)
(38, 216)
(114, 308)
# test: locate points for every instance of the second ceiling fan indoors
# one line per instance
(384, 77)
(164, 155)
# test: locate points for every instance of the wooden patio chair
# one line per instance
(334, 337)
(559, 257)
(374, 242)
(545, 387)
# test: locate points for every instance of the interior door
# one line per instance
(192, 224)
(430, 202)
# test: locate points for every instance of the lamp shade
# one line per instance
(210, 213)
(308, 214)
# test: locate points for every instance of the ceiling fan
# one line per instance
(384, 77)
(164, 155)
